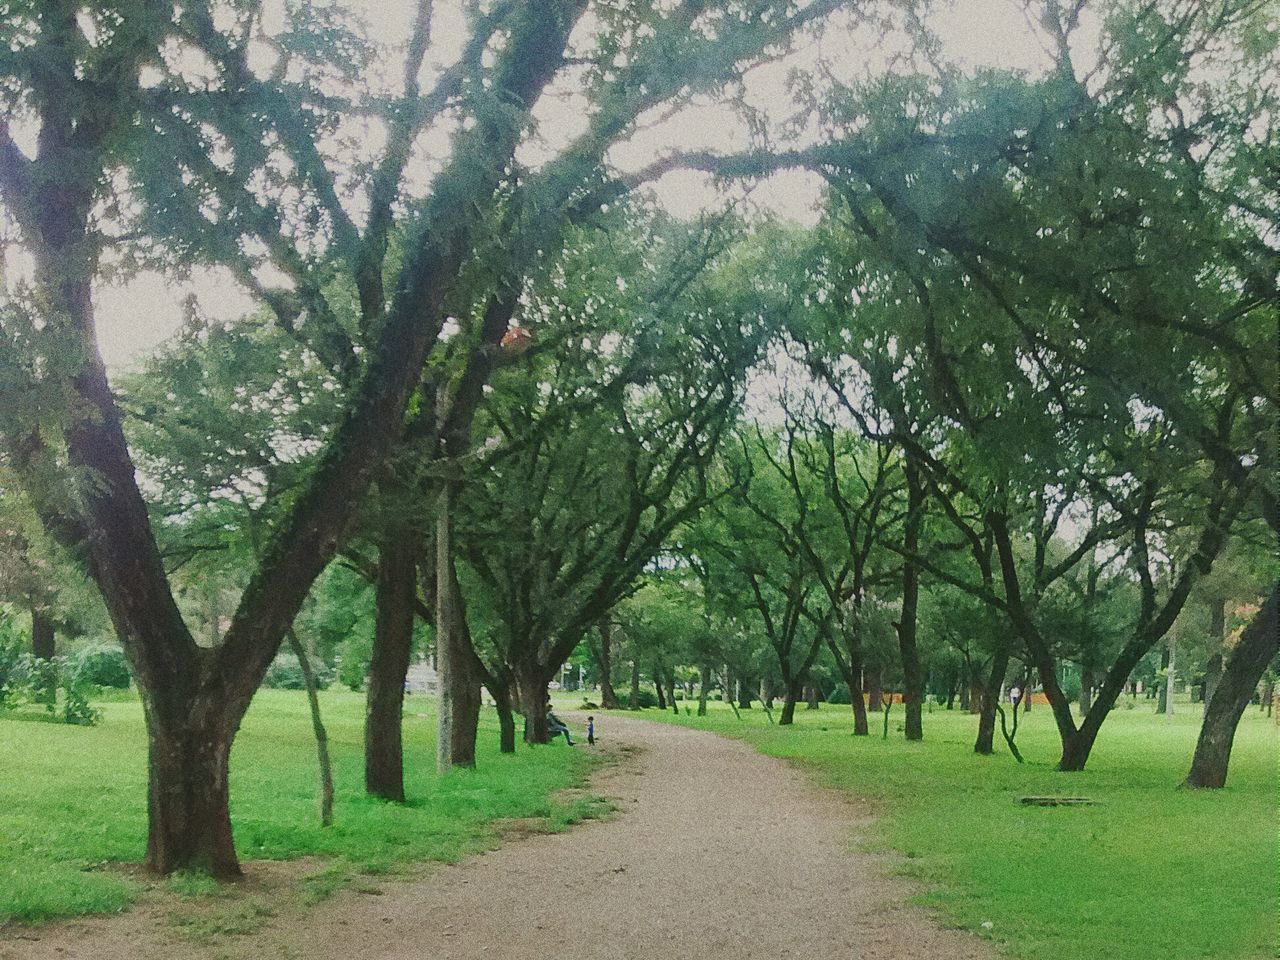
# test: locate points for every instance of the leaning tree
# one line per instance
(180, 135)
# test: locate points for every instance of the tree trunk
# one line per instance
(388, 667)
(1162, 697)
(317, 728)
(633, 700)
(990, 698)
(1086, 688)
(704, 682)
(744, 694)
(1258, 645)
(811, 696)
(766, 693)
(458, 715)
(43, 637)
(657, 686)
(506, 718)
(1171, 678)
(671, 694)
(533, 700)
(604, 663)
(912, 672)
(189, 820)
(791, 695)
(874, 701)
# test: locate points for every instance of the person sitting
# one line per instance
(556, 726)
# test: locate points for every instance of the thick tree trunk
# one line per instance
(533, 700)
(744, 694)
(43, 636)
(671, 694)
(604, 663)
(990, 698)
(790, 696)
(874, 701)
(633, 699)
(811, 696)
(704, 683)
(1258, 645)
(657, 687)
(317, 728)
(912, 672)
(189, 819)
(388, 667)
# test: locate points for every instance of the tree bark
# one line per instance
(1086, 687)
(389, 665)
(533, 700)
(1217, 633)
(704, 682)
(874, 701)
(791, 695)
(671, 693)
(744, 694)
(1258, 645)
(657, 687)
(604, 662)
(990, 699)
(458, 715)
(633, 701)
(189, 819)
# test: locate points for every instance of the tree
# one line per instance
(233, 169)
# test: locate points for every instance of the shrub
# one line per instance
(76, 708)
(285, 673)
(646, 699)
(103, 666)
(839, 694)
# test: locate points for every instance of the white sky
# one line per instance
(133, 318)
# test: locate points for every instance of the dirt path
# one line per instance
(717, 852)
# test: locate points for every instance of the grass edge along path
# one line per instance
(73, 801)
(1152, 870)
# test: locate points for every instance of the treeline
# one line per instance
(984, 420)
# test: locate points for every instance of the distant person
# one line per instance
(591, 730)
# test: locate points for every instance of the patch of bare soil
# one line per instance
(715, 852)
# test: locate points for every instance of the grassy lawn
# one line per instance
(73, 799)
(1151, 871)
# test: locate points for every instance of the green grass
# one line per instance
(73, 801)
(1151, 871)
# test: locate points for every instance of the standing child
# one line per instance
(591, 730)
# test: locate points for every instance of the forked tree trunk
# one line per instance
(388, 667)
(189, 819)
(1258, 645)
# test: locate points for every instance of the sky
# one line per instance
(136, 316)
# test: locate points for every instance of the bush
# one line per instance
(103, 666)
(646, 699)
(285, 673)
(839, 694)
(76, 708)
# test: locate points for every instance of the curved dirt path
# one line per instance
(716, 852)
